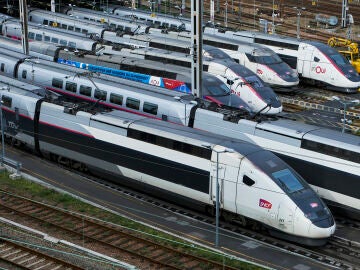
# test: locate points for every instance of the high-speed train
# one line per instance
(176, 163)
(155, 20)
(11, 27)
(316, 62)
(174, 78)
(251, 93)
(332, 154)
(259, 59)
(242, 81)
(117, 22)
(110, 91)
(77, 24)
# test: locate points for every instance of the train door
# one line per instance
(305, 60)
(220, 169)
(286, 217)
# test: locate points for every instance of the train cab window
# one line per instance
(116, 99)
(2, 67)
(150, 108)
(46, 22)
(71, 28)
(72, 44)
(71, 86)
(77, 29)
(24, 74)
(55, 40)
(133, 103)
(63, 42)
(100, 94)
(250, 57)
(46, 38)
(248, 181)
(31, 35)
(58, 83)
(38, 37)
(6, 101)
(85, 90)
(288, 181)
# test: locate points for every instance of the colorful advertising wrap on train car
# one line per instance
(133, 76)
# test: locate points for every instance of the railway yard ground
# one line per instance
(37, 202)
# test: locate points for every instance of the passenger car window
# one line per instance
(133, 103)
(85, 90)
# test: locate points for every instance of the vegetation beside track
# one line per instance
(29, 189)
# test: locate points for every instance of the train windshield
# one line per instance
(267, 59)
(214, 87)
(255, 81)
(215, 53)
(341, 62)
(288, 181)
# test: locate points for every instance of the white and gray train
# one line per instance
(213, 89)
(331, 154)
(78, 24)
(11, 27)
(242, 81)
(176, 163)
(109, 91)
(158, 20)
(316, 62)
(259, 59)
(248, 87)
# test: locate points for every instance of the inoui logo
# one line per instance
(265, 204)
(319, 70)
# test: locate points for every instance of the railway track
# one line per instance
(30, 257)
(116, 238)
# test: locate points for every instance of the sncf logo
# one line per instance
(265, 204)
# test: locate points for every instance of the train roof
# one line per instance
(299, 130)
(65, 18)
(20, 87)
(157, 127)
(112, 81)
(44, 28)
(274, 37)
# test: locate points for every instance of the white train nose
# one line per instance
(322, 229)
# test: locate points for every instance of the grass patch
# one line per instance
(42, 194)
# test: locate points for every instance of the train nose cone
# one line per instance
(324, 223)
